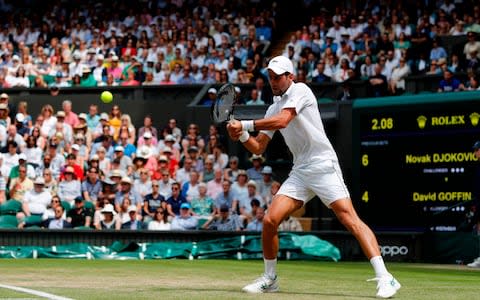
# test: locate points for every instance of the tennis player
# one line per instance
(315, 171)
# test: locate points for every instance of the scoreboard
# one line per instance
(413, 160)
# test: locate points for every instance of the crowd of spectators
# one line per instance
(96, 170)
(384, 42)
(91, 43)
(198, 42)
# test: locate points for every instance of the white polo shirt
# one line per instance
(305, 135)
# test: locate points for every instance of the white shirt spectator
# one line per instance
(37, 202)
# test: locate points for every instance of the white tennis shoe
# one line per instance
(387, 286)
(263, 284)
(475, 263)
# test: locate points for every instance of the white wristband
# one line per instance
(244, 137)
(248, 125)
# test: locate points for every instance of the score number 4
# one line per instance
(382, 124)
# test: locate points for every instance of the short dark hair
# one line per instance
(255, 202)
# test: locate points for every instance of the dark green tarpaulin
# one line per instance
(241, 247)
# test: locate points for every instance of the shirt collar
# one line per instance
(286, 94)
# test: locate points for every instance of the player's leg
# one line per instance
(387, 285)
(281, 207)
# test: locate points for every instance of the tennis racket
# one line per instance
(222, 109)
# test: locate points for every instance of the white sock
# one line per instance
(379, 266)
(270, 267)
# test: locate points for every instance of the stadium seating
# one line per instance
(8, 221)
(10, 207)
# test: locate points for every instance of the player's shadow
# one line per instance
(289, 294)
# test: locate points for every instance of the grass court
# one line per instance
(223, 279)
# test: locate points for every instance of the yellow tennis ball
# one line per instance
(106, 97)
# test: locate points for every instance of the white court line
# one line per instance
(33, 292)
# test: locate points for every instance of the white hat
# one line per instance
(252, 183)
(4, 96)
(39, 180)
(104, 116)
(169, 138)
(22, 156)
(212, 90)
(257, 157)
(61, 113)
(167, 149)
(280, 65)
(16, 57)
(20, 117)
(267, 170)
(132, 208)
(82, 116)
(76, 147)
(108, 208)
(126, 179)
(100, 57)
(95, 157)
(162, 158)
(119, 148)
(114, 58)
(147, 135)
(144, 152)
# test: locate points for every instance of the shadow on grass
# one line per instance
(238, 292)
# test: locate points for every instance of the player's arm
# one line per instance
(278, 121)
(258, 144)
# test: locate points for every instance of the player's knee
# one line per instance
(270, 222)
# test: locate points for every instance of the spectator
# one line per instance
(160, 220)
(69, 187)
(91, 186)
(126, 190)
(397, 81)
(22, 161)
(203, 206)
(165, 184)
(291, 223)
(224, 220)
(184, 221)
(264, 185)
(58, 221)
(211, 97)
(190, 188)
(148, 127)
(471, 46)
(437, 51)
(377, 83)
(226, 197)
(255, 172)
(108, 222)
(153, 201)
(50, 211)
(231, 171)
(257, 223)
(71, 118)
(19, 186)
(449, 83)
(35, 201)
(79, 215)
(133, 223)
(175, 201)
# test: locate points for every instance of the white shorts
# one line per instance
(321, 178)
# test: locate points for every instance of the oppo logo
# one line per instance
(393, 250)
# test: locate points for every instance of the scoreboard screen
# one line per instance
(413, 160)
